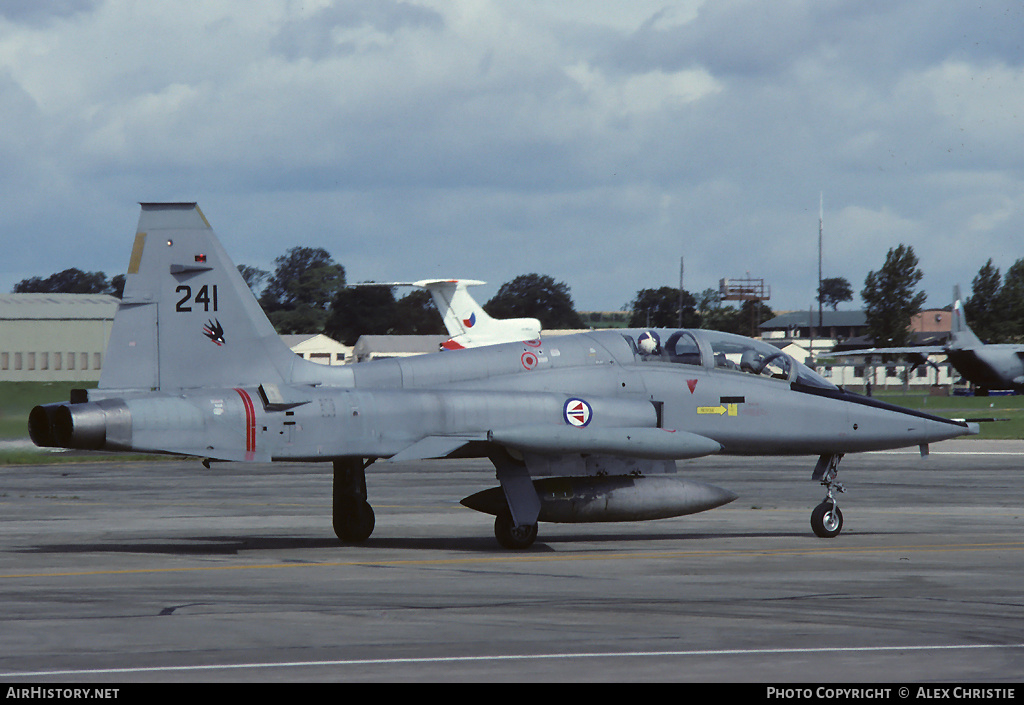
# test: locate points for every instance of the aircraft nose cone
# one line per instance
(879, 425)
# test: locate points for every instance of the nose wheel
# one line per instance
(827, 519)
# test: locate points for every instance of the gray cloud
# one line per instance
(486, 140)
(34, 13)
(341, 29)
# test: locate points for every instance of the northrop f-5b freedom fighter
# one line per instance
(579, 428)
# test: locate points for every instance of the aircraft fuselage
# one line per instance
(387, 406)
(993, 366)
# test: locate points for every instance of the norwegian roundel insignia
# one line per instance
(577, 413)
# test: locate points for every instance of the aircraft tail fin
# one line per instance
(466, 320)
(460, 311)
(187, 318)
(962, 335)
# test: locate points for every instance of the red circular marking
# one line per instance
(529, 360)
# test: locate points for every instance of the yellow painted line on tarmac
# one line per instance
(537, 558)
(915, 451)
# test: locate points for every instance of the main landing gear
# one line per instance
(826, 519)
(353, 515)
(516, 526)
(511, 536)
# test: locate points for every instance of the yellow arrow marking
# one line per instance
(731, 409)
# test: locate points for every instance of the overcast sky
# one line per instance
(595, 142)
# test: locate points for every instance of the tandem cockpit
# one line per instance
(722, 351)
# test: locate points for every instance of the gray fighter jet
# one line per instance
(194, 368)
(987, 366)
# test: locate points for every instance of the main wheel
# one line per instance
(827, 520)
(355, 522)
(511, 536)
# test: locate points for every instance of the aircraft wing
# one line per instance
(644, 442)
(434, 447)
(912, 350)
(634, 443)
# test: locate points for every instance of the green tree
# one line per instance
(303, 319)
(716, 315)
(659, 308)
(982, 308)
(1011, 304)
(833, 291)
(373, 310)
(416, 314)
(117, 286)
(889, 297)
(361, 310)
(535, 296)
(709, 302)
(751, 315)
(70, 281)
(299, 293)
(253, 276)
(727, 319)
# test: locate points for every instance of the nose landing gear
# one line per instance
(827, 519)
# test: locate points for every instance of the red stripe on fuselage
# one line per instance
(250, 421)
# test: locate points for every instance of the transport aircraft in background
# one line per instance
(468, 324)
(988, 366)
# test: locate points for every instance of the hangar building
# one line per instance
(63, 338)
(54, 337)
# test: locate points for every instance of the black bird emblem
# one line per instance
(214, 331)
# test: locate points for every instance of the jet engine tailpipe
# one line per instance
(40, 425)
(105, 424)
(577, 500)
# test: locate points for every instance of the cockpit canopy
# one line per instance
(722, 351)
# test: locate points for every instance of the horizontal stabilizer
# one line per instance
(425, 283)
(919, 350)
(233, 455)
(653, 443)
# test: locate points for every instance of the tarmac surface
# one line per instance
(165, 571)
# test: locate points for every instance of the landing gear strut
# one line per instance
(516, 527)
(353, 515)
(826, 519)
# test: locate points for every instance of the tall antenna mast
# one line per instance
(821, 229)
(680, 292)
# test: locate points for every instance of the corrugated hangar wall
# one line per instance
(54, 337)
